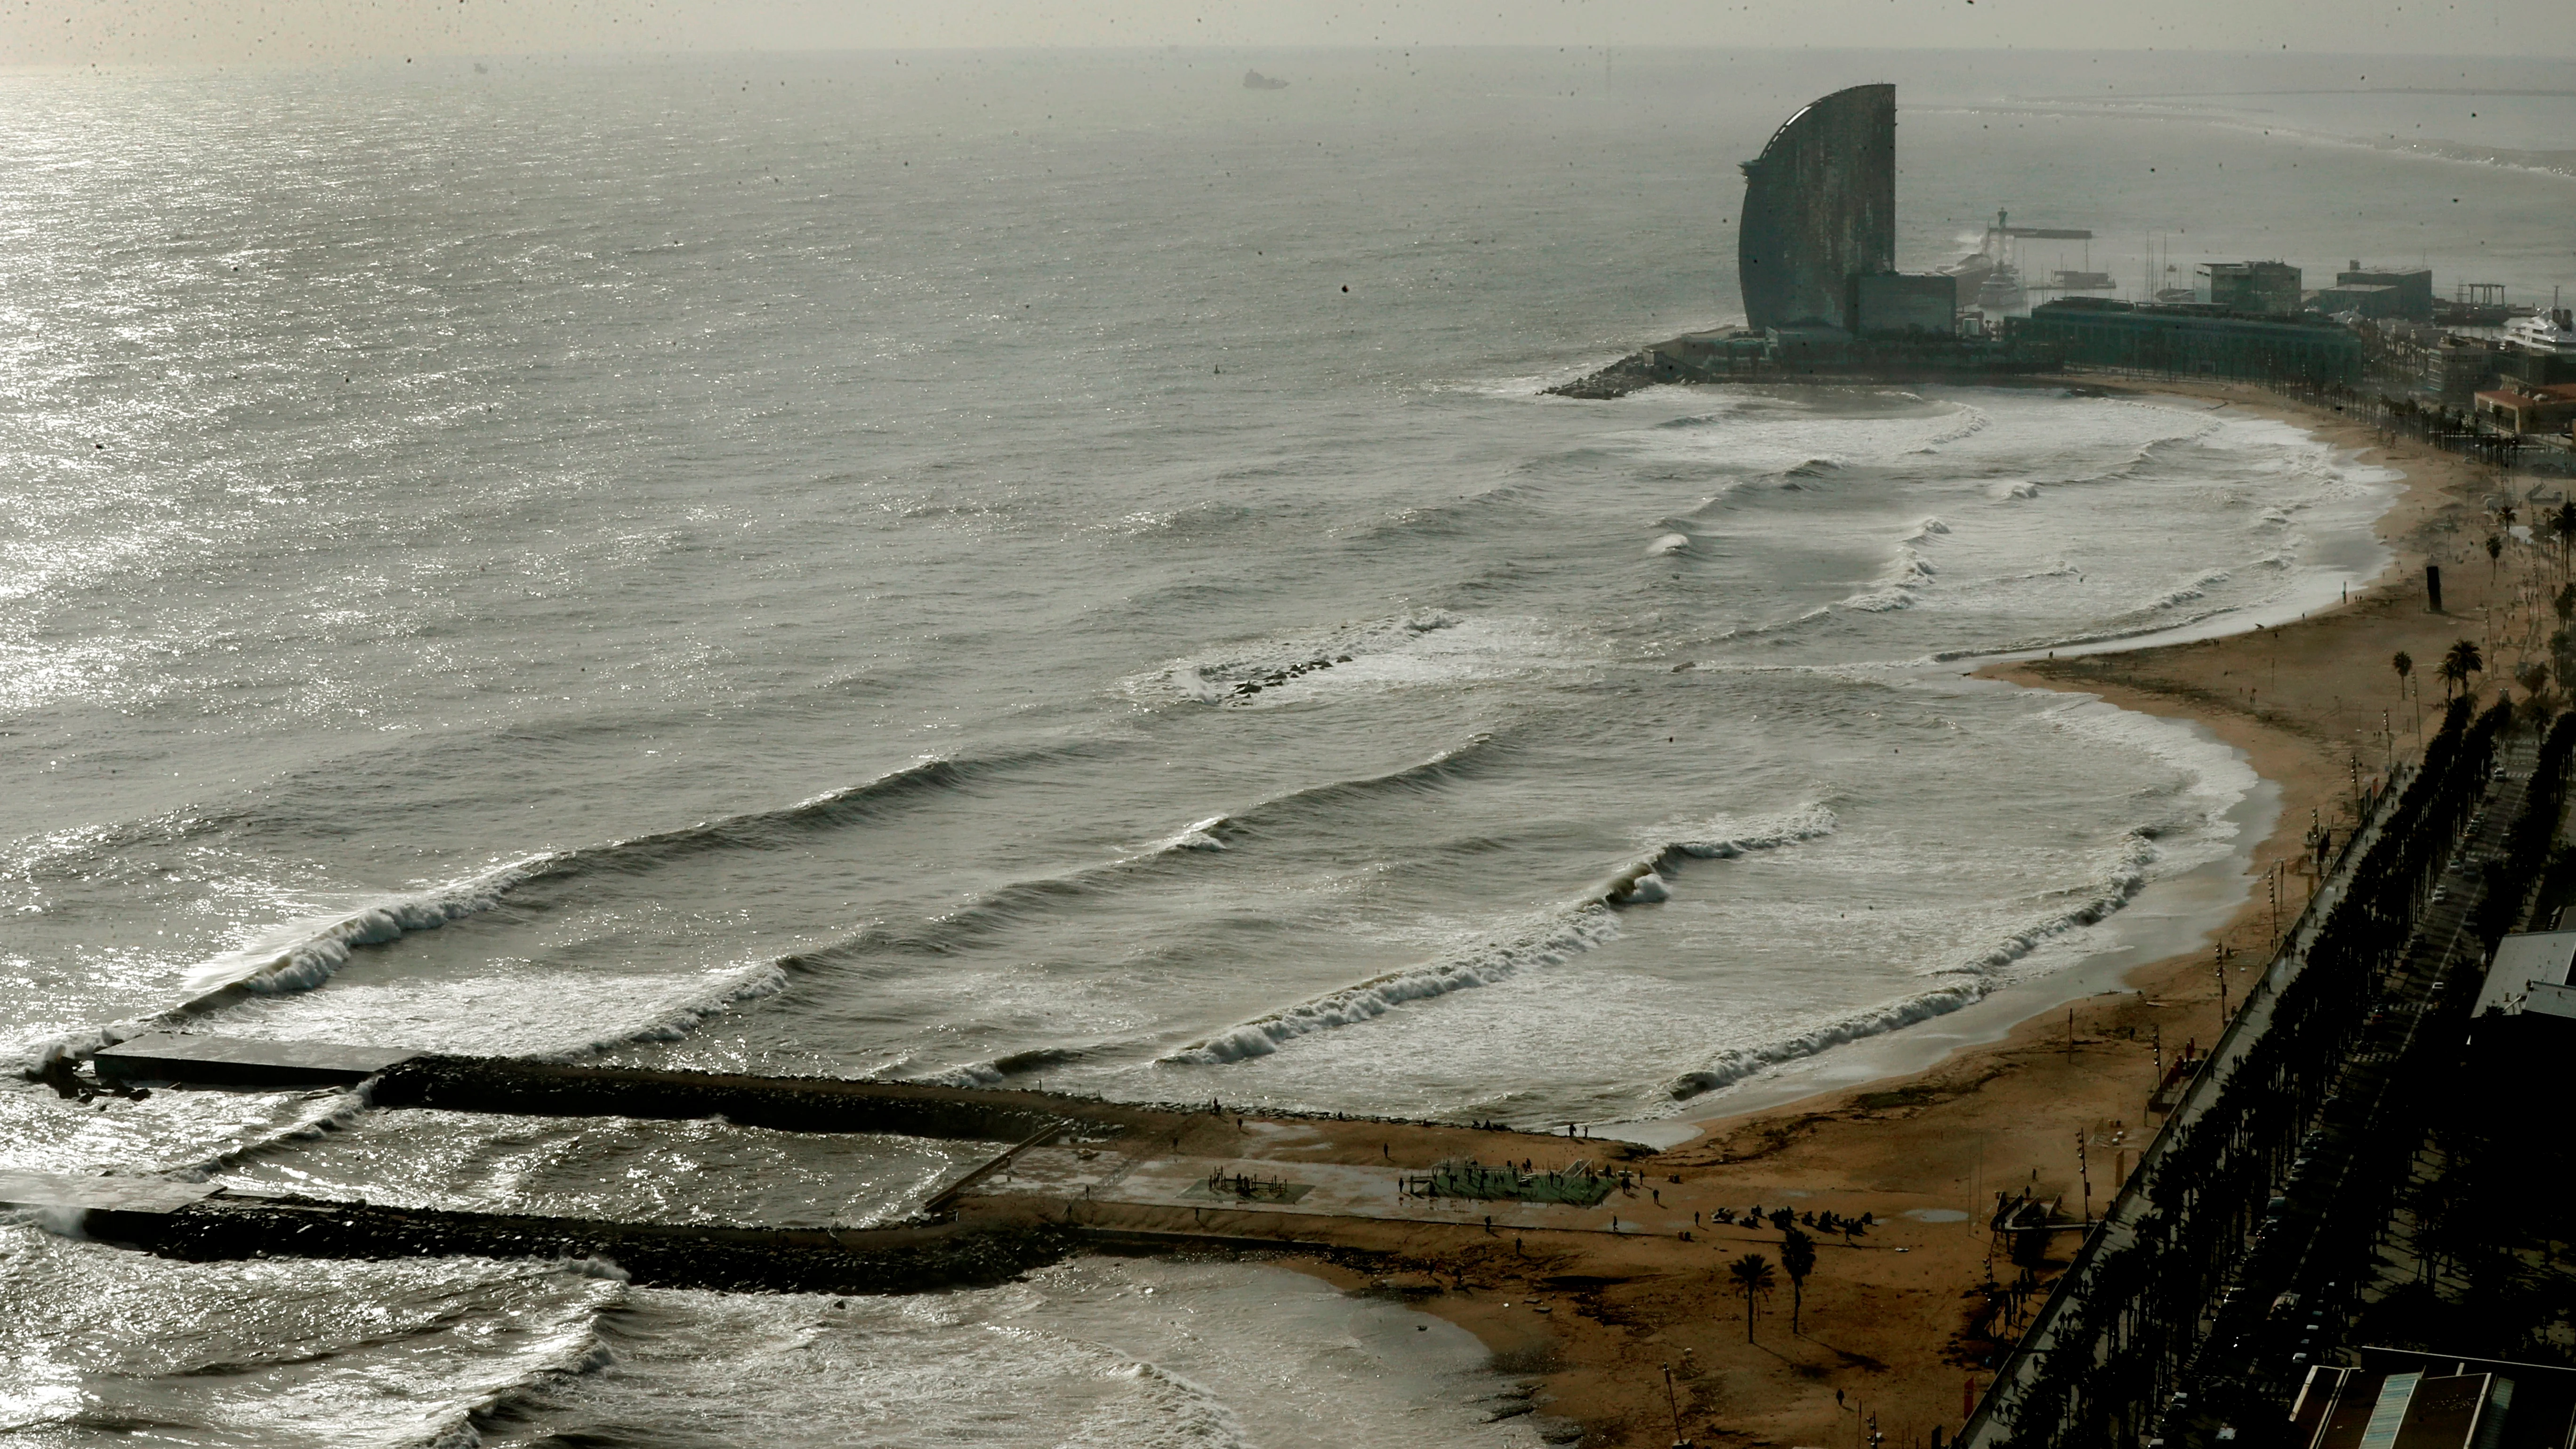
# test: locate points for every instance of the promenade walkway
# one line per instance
(2135, 1200)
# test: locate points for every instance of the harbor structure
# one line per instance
(2405, 293)
(2195, 340)
(1990, 278)
(2269, 289)
(1819, 210)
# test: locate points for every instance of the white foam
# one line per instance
(2126, 874)
(1578, 930)
(1669, 543)
(1734, 1066)
(1551, 941)
(2197, 588)
(1198, 835)
(302, 954)
(1908, 576)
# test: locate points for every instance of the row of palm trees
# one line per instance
(2461, 660)
(2125, 1321)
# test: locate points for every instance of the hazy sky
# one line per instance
(108, 32)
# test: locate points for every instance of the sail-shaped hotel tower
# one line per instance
(1819, 211)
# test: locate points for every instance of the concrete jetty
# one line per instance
(106, 1194)
(219, 1061)
(1068, 1174)
(117, 1209)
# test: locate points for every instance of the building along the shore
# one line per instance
(2404, 293)
(2267, 289)
(1819, 210)
(2194, 340)
(2529, 409)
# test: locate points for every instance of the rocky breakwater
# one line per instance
(909, 1259)
(1632, 373)
(787, 1104)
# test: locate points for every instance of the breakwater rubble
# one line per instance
(787, 1104)
(1278, 677)
(1778, 357)
(904, 1259)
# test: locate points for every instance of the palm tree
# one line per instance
(2460, 661)
(2533, 676)
(2404, 664)
(2495, 550)
(2565, 600)
(2562, 522)
(1797, 1259)
(1751, 1275)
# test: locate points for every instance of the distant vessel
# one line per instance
(1254, 80)
(2002, 292)
(1990, 277)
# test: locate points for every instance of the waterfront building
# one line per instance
(2195, 341)
(1819, 210)
(2409, 1399)
(2522, 409)
(2529, 972)
(2375, 303)
(2405, 292)
(2456, 367)
(2269, 289)
(1902, 304)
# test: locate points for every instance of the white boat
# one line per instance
(2552, 331)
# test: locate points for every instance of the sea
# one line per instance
(1057, 569)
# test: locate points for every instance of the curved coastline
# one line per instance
(2170, 924)
(1926, 1123)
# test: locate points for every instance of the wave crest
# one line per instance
(1979, 975)
(1574, 930)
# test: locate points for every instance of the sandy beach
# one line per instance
(1891, 1327)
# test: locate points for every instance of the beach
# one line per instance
(1887, 1319)
(1060, 574)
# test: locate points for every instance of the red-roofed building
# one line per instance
(2547, 409)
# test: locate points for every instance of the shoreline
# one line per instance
(2270, 819)
(1895, 1321)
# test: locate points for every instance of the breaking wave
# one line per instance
(683, 1019)
(990, 911)
(1572, 931)
(314, 951)
(2184, 594)
(1908, 579)
(1976, 977)
(1582, 929)
(1001, 1069)
(925, 778)
(2146, 455)
(1646, 881)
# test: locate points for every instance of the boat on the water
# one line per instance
(2552, 331)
